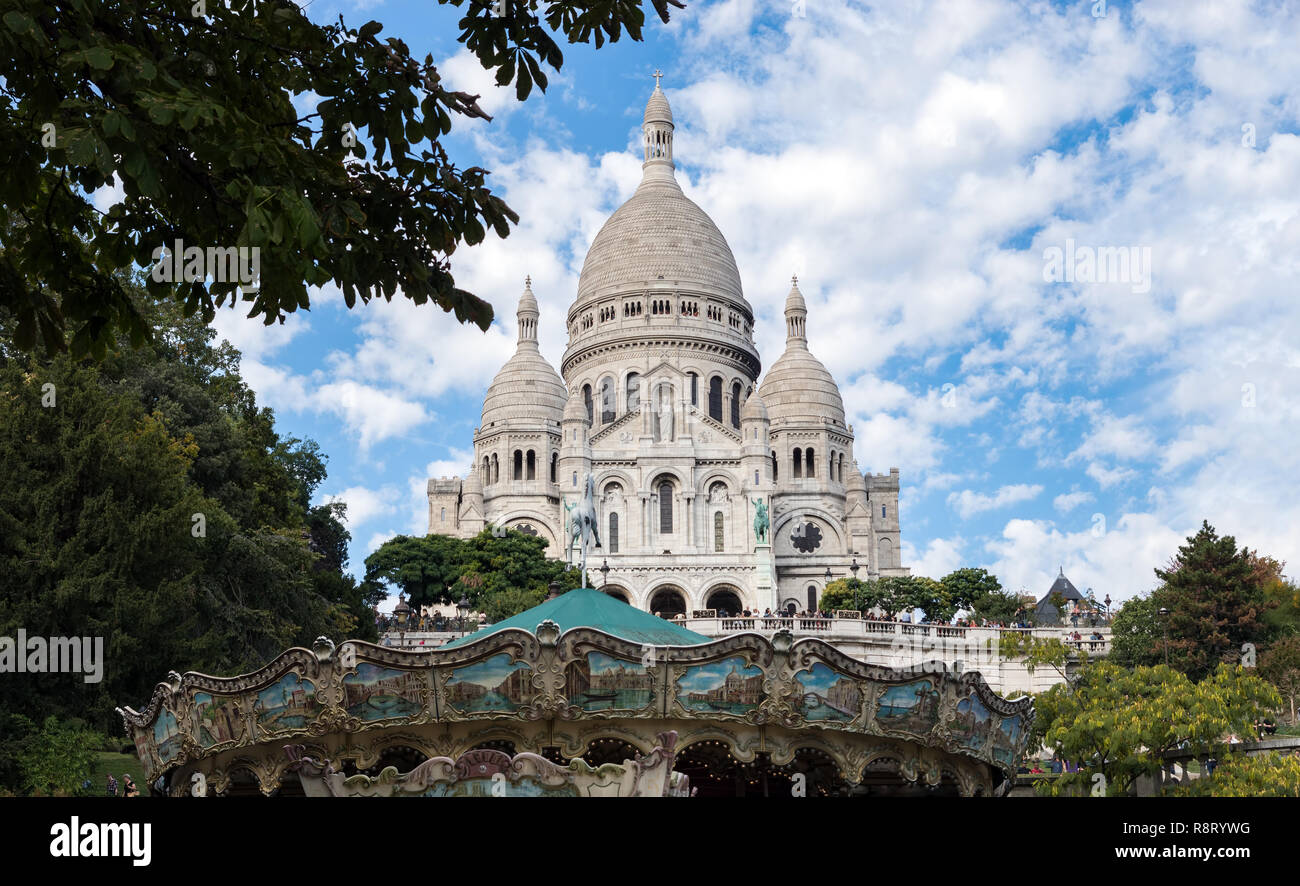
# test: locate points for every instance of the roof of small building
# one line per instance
(590, 608)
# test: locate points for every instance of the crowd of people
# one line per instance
(433, 622)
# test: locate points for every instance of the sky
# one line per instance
(925, 169)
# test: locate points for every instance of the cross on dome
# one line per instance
(657, 75)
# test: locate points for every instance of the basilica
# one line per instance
(658, 399)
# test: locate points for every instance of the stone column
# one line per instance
(688, 502)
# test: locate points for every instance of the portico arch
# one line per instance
(724, 598)
(667, 601)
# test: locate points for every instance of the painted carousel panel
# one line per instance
(375, 692)
(288, 704)
(909, 707)
(493, 684)
(727, 686)
(822, 693)
(215, 719)
(600, 682)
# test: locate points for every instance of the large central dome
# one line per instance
(659, 237)
(660, 273)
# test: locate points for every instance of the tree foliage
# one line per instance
(59, 758)
(500, 575)
(188, 107)
(1280, 665)
(1240, 775)
(1215, 594)
(147, 500)
(1136, 634)
(1118, 722)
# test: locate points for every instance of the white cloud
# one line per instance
(968, 503)
(1068, 501)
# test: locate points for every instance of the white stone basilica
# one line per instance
(657, 402)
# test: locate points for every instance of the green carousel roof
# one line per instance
(590, 608)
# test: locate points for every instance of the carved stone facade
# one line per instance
(660, 401)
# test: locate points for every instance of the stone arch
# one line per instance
(537, 519)
(667, 598)
(885, 556)
(615, 475)
(619, 592)
(727, 585)
(631, 390)
(607, 399)
(662, 472)
(716, 386)
(823, 516)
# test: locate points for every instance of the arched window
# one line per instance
(487, 470)
(586, 401)
(665, 507)
(882, 510)
(519, 464)
(830, 467)
(715, 398)
(444, 515)
(607, 401)
(812, 598)
(798, 463)
(633, 391)
(717, 532)
(886, 549)
(496, 469)
(613, 534)
(810, 466)
(695, 388)
(735, 405)
(841, 467)
(532, 465)
(555, 467)
(774, 465)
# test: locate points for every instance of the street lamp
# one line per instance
(463, 608)
(1164, 621)
(604, 573)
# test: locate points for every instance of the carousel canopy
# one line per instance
(590, 608)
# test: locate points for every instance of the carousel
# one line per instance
(582, 695)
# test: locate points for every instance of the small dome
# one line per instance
(754, 409)
(857, 482)
(527, 389)
(799, 389)
(576, 410)
(656, 109)
(473, 483)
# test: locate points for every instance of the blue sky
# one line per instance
(913, 163)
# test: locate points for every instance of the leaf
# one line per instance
(99, 58)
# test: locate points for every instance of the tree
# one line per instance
(147, 500)
(1118, 722)
(59, 758)
(967, 587)
(188, 107)
(499, 574)
(1136, 634)
(1280, 665)
(1242, 775)
(1216, 598)
(921, 592)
